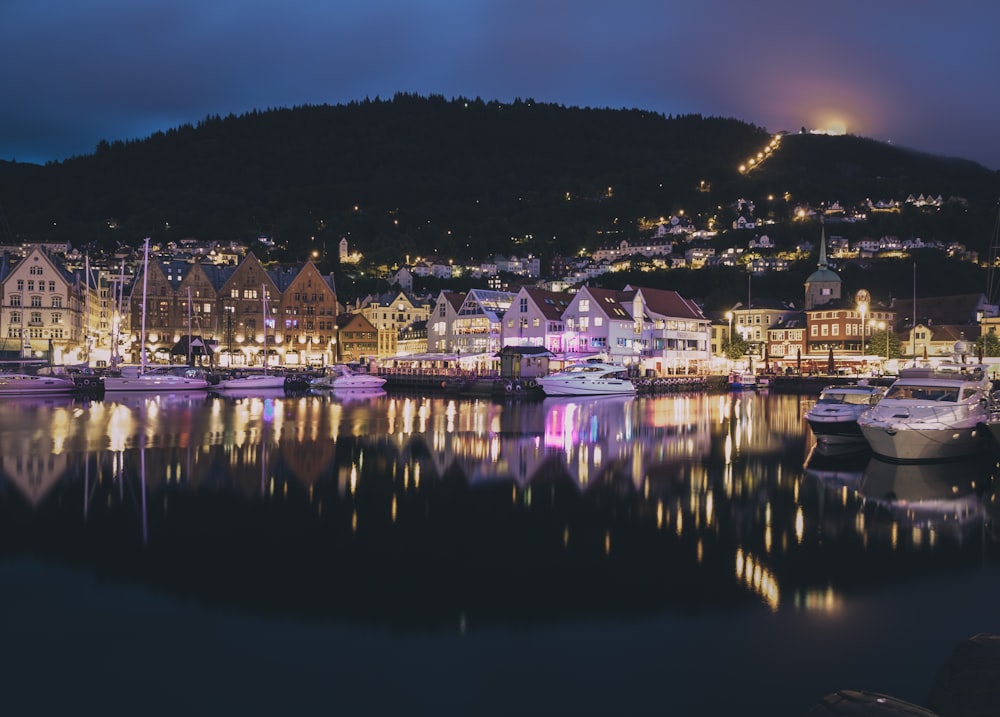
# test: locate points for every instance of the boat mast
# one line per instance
(117, 319)
(142, 331)
(86, 309)
(913, 329)
(189, 326)
(263, 310)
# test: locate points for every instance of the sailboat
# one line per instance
(161, 380)
(254, 381)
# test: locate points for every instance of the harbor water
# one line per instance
(370, 553)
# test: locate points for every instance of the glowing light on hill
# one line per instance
(836, 127)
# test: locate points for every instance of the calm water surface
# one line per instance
(683, 554)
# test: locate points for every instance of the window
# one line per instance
(56, 302)
(36, 302)
(52, 286)
(56, 318)
(524, 306)
(584, 306)
(15, 299)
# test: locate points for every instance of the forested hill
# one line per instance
(453, 177)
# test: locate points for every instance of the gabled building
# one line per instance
(786, 341)
(357, 339)
(43, 309)
(390, 314)
(440, 323)
(477, 324)
(597, 321)
(535, 318)
(675, 334)
(242, 300)
(307, 318)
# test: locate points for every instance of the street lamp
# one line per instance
(882, 326)
(862, 298)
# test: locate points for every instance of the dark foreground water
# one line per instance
(357, 555)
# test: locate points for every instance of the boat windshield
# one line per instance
(853, 398)
(914, 392)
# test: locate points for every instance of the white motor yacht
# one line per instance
(591, 378)
(340, 377)
(834, 417)
(930, 414)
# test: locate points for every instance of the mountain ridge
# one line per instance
(422, 175)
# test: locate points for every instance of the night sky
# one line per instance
(917, 74)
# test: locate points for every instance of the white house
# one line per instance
(535, 318)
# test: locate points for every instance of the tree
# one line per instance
(877, 344)
(988, 345)
(736, 349)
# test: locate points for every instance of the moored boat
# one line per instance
(833, 419)
(930, 414)
(241, 381)
(590, 378)
(26, 384)
(340, 377)
(742, 380)
(175, 378)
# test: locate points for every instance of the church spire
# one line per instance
(822, 245)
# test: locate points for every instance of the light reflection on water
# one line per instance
(437, 511)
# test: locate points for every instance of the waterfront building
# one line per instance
(786, 341)
(673, 332)
(356, 339)
(535, 318)
(597, 321)
(390, 314)
(307, 319)
(413, 339)
(440, 336)
(753, 322)
(43, 309)
(476, 328)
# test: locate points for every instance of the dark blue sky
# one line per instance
(915, 73)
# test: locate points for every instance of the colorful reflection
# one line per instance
(669, 485)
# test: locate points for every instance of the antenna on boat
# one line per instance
(992, 277)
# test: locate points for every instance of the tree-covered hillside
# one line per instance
(466, 178)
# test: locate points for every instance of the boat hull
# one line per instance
(254, 383)
(153, 384)
(923, 443)
(587, 388)
(27, 385)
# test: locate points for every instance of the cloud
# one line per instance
(109, 69)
